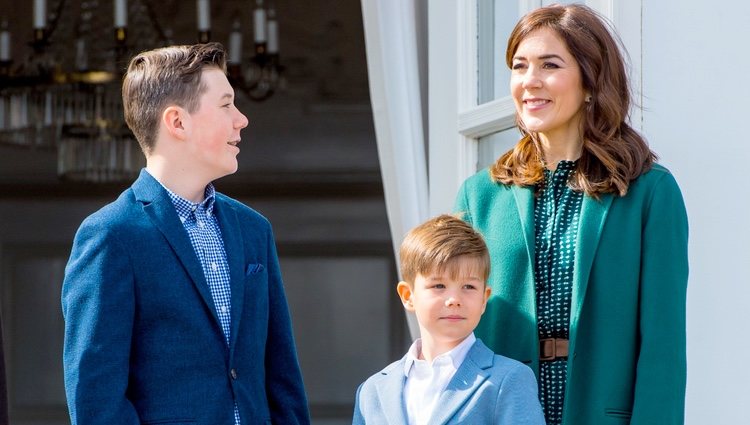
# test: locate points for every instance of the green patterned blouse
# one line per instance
(556, 212)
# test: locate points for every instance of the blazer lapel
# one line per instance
(590, 225)
(467, 379)
(230, 233)
(390, 391)
(159, 208)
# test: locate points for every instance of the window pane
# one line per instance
(496, 19)
(494, 145)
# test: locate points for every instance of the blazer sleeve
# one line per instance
(284, 387)
(98, 305)
(518, 400)
(661, 372)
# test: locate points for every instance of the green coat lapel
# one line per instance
(591, 223)
(590, 226)
(525, 203)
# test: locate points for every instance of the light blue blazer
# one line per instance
(143, 342)
(486, 389)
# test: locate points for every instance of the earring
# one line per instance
(587, 99)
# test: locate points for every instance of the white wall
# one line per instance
(695, 62)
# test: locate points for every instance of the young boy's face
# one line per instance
(215, 128)
(448, 303)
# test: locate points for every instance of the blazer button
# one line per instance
(233, 373)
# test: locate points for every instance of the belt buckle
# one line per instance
(547, 349)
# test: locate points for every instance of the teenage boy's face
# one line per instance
(215, 127)
(448, 305)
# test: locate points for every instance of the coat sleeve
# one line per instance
(661, 372)
(98, 305)
(518, 400)
(284, 387)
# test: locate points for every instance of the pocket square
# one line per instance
(253, 268)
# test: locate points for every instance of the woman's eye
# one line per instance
(518, 66)
(550, 65)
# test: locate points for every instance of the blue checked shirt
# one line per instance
(205, 236)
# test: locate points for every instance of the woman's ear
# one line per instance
(176, 122)
(405, 293)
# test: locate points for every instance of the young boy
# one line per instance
(448, 376)
(173, 302)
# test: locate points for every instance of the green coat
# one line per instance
(627, 320)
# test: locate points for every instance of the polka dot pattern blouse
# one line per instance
(556, 213)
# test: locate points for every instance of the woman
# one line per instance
(588, 236)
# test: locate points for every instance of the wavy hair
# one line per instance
(613, 153)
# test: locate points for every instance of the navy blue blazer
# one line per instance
(143, 343)
(486, 389)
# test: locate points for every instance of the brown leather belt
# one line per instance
(552, 348)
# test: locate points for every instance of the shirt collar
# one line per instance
(185, 208)
(456, 355)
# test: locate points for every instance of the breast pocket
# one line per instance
(256, 290)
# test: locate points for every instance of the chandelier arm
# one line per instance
(259, 92)
(58, 14)
(260, 97)
(155, 21)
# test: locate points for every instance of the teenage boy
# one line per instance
(448, 376)
(173, 301)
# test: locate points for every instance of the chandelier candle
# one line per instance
(121, 13)
(40, 14)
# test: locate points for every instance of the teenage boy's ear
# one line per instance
(176, 121)
(405, 293)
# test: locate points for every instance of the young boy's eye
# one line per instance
(469, 286)
(438, 286)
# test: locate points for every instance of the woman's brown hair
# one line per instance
(613, 153)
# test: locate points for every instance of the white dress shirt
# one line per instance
(425, 382)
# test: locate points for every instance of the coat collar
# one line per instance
(591, 223)
(161, 211)
(590, 227)
(234, 248)
(465, 382)
(390, 390)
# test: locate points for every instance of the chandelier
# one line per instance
(65, 94)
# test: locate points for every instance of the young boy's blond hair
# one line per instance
(436, 243)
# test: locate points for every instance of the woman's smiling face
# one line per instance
(546, 86)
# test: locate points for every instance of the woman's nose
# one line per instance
(531, 79)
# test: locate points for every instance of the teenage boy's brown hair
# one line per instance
(163, 77)
(434, 244)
